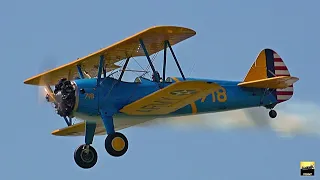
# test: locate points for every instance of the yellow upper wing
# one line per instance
(170, 98)
(153, 38)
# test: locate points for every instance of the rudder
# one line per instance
(269, 64)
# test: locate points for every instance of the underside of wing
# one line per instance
(78, 130)
(119, 124)
(153, 39)
(170, 98)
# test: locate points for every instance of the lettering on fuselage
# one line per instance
(219, 94)
(89, 96)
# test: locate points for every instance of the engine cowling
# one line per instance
(76, 97)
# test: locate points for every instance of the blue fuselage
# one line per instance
(114, 95)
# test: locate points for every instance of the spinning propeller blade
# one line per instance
(49, 94)
(45, 93)
(63, 96)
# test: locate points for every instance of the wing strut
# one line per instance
(80, 71)
(104, 72)
(124, 68)
(164, 64)
(149, 60)
(166, 44)
(68, 121)
(101, 62)
(175, 59)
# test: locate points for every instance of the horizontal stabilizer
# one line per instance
(170, 98)
(278, 82)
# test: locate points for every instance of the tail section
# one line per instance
(270, 70)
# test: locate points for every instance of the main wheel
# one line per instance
(85, 158)
(272, 113)
(116, 144)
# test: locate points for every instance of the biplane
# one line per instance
(84, 89)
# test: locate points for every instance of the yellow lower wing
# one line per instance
(79, 128)
(73, 130)
(170, 98)
(279, 82)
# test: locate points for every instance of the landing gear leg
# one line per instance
(116, 144)
(85, 155)
(272, 113)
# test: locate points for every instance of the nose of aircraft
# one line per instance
(65, 97)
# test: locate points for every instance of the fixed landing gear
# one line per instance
(116, 144)
(272, 113)
(85, 156)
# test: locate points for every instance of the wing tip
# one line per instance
(33, 81)
(70, 130)
(55, 132)
(27, 81)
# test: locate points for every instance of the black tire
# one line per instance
(109, 144)
(83, 159)
(272, 113)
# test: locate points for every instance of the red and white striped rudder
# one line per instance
(280, 69)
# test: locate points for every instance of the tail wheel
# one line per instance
(272, 113)
(116, 144)
(85, 157)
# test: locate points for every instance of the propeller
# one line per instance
(48, 63)
(63, 97)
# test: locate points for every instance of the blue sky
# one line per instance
(230, 34)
